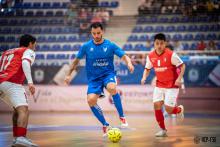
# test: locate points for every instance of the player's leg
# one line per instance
(158, 103)
(16, 98)
(110, 84)
(95, 89)
(170, 102)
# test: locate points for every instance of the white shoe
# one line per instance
(23, 141)
(161, 133)
(181, 114)
(124, 123)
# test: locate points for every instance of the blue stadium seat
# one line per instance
(199, 37)
(10, 39)
(148, 29)
(82, 38)
(64, 5)
(211, 37)
(56, 5)
(163, 20)
(43, 22)
(159, 29)
(72, 39)
(128, 47)
(36, 30)
(66, 47)
(143, 38)
(36, 5)
(174, 19)
(185, 19)
(203, 28)
(188, 37)
(45, 48)
(41, 39)
(114, 4)
(51, 56)
(141, 20)
(215, 27)
(40, 57)
(17, 31)
(193, 46)
(13, 46)
(51, 39)
(137, 29)
(153, 19)
(27, 30)
(181, 28)
(192, 28)
(59, 13)
(26, 5)
(39, 13)
(170, 29)
(29, 13)
(3, 47)
(132, 38)
(186, 46)
(61, 56)
(72, 56)
(104, 4)
(177, 37)
(56, 47)
(46, 5)
(76, 47)
(33, 22)
(2, 39)
(47, 30)
(61, 39)
(6, 31)
(49, 14)
(139, 47)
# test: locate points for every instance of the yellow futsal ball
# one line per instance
(114, 135)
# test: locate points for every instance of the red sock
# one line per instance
(21, 131)
(176, 110)
(160, 119)
(14, 131)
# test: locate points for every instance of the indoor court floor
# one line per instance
(83, 130)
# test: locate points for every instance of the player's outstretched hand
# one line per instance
(67, 80)
(143, 81)
(178, 82)
(131, 68)
(31, 88)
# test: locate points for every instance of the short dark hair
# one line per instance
(160, 36)
(26, 39)
(96, 25)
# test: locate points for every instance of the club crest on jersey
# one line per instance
(105, 49)
(165, 59)
(91, 49)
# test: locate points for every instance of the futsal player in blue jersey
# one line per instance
(99, 53)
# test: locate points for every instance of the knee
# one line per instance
(91, 101)
(112, 90)
(22, 110)
(158, 105)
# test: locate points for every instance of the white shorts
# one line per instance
(13, 94)
(168, 95)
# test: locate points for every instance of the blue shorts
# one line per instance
(98, 85)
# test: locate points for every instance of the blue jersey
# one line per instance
(99, 58)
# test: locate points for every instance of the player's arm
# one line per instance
(121, 54)
(175, 59)
(128, 62)
(148, 66)
(27, 60)
(178, 81)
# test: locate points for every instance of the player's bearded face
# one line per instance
(159, 45)
(97, 34)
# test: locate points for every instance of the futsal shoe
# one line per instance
(161, 133)
(181, 114)
(124, 123)
(105, 130)
(23, 142)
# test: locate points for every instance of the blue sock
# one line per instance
(118, 105)
(97, 111)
